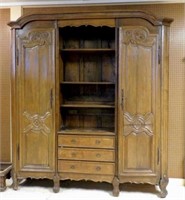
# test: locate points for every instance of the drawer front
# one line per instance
(86, 154)
(86, 141)
(86, 167)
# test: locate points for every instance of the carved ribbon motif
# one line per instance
(138, 124)
(37, 38)
(37, 123)
(137, 36)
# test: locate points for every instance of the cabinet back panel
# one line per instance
(89, 67)
(88, 93)
(86, 121)
(87, 37)
(71, 68)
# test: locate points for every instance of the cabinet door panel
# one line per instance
(139, 101)
(36, 89)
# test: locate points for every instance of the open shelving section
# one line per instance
(87, 80)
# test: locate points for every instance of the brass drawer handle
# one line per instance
(72, 167)
(98, 168)
(98, 155)
(73, 141)
(73, 154)
(97, 141)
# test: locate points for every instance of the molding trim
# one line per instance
(42, 3)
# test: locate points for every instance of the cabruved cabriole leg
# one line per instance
(56, 181)
(162, 185)
(15, 180)
(115, 184)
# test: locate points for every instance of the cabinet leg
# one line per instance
(56, 181)
(15, 180)
(162, 185)
(115, 184)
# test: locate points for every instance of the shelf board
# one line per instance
(88, 50)
(88, 105)
(86, 83)
(89, 131)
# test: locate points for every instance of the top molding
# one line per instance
(30, 3)
(107, 13)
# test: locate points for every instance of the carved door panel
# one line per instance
(139, 102)
(36, 90)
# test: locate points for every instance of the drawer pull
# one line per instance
(72, 167)
(73, 154)
(98, 141)
(73, 141)
(98, 155)
(98, 168)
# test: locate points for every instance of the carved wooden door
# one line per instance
(139, 105)
(35, 91)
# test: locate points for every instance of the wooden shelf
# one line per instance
(86, 50)
(89, 131)
(86, 83)
(88, 105)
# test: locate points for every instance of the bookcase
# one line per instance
(87, 79)
(90, 97)
(88, 101)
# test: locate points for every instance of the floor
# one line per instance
(82, 190)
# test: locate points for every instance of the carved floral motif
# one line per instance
(37, 38)
(37, 123)
(138, 124)
(137, 36)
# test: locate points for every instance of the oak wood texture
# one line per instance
(86, 167)
(33, 95)
(90, 97)
(36, 74)
(176, 48)
(139, 101)
(106, 142)
(86, 154)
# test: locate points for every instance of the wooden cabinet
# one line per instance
(90, 97)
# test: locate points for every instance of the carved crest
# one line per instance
(137, 124)
(137, 36)
(37, 123)
(37, 38)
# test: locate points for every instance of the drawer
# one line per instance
(86, 154)
(86, 167)
(86, 141)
